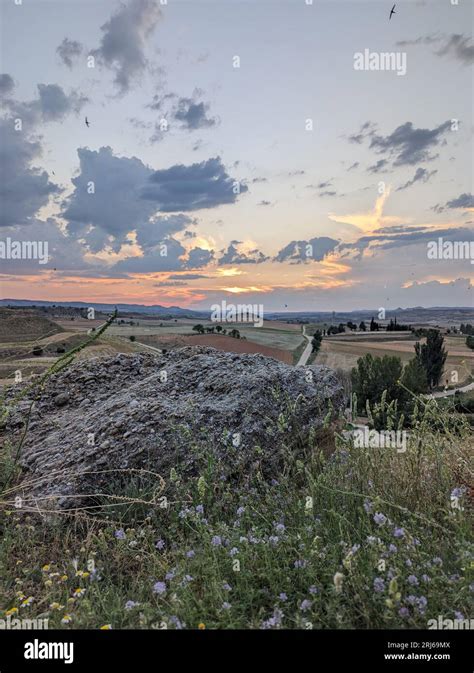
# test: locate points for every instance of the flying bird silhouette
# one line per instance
(392, 11)
(87, 123)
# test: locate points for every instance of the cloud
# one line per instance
(315, 249)
(170, 255)
(24, 188)
(68, 51)
(232, 255)
(420, 174)
(455, 45)
(122, 48)
(188, 276)
(378, 167)
(115, 196)
(409, 145)
(190, 113)
(201, 185)
(6, 84)
(52, 105)
(462, 201)
(264, 203)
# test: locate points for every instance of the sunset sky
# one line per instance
(259, 163)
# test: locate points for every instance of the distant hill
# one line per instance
(155, 309)
(25, 326)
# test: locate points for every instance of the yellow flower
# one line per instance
(28, 601)
(106, 627)
(71, 600)
(12, 611)
(85, 574)
(79, 592)
(201, 626)
(63, 578)
(45, 568)
(66, 619)
(56, 606)
(48, 583)
(20, 595)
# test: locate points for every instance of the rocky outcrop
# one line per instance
(159, 412)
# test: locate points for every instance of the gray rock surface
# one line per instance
(161, 411)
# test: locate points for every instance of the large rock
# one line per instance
(161, 411)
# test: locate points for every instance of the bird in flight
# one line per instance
(392, 11)
(87, 123)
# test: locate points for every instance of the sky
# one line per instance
(247, 151)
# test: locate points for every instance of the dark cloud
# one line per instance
(455, 45)
(315, 249)
(122, 48)
(232, 255)
(365, 130)
(201, 185)
(188, 276)
(24, 188)
(6, 84)
(378, 167)
(191, 113)
(114, 196)
(408, 145)
(169, 255)
(421, 174)
(264, 203)
(52, 105)
(395, 239)
(462, 201)
(68, 51)
(354, 165)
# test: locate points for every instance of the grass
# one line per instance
(348, 537)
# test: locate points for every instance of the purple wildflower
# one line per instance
(398, 532)
(159, 588)
(413, 579)
(120, 534)
(404, 612)
(379, 584)
(129, 605)
(283, 597)
(305, 605)
(226, 606)
(160, 544)
(216, 541)
(380, 519)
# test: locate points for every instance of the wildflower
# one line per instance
(191, 553)
(129, 605)
(458, 615)
(283, 597)
(186, 580)
(120, 534)
(45, 568)
(48, 583)
(425, 578)
(201, 626)
(226, 586)
(242, 538)
(380, 519)
(56, 606)
(160, 544)
(106, 627)
(379, 584)
(199, 509)
(368, 506)
(159, 588)
(280, 528)
(273, 540)
(392, 549)
(170, 575)
(409, 563)
(233, 551)
(66, 619)
(79, 592)
(216, 541)
(63, 578)
(404, 612)
(305, 605)
(338, 580)
(437, 561)
(300, 563)
(11, 611)
(422, 602)
(178, 624)
(240, 511)
(313, 590)
(226, 606)
(398, 532)
(412, 579)
(27, 602)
